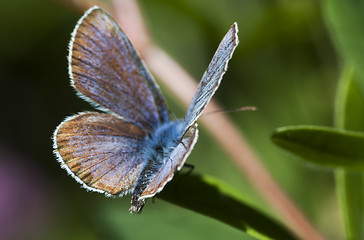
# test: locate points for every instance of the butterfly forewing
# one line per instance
(212, 77)
(106, 69)
(101, 151)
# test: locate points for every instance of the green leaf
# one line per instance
(337, 148)
(323, 146)
(216, 199)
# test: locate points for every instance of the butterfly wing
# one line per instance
(212, 77)
(106, 70)
(101, 151)
(174, 161)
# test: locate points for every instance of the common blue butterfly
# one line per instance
(132, 146)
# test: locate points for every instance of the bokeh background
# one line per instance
(286, 66)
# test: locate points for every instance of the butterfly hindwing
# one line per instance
(105, 68)
(174, 161)
(148, 187)
(101, 151)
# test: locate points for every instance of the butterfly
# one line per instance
(131, 145)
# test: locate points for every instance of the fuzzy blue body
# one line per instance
(162, 141)
(158, 145)
(157, 149)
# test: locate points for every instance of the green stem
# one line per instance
(349, 187)
(349, 115)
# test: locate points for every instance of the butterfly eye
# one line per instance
(159, 149)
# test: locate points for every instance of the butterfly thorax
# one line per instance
(158, 146)
(162, 141)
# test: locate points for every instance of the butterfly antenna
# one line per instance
(245, 108)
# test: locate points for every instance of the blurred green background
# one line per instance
(285, 65)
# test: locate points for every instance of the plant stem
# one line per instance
(349, 185)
